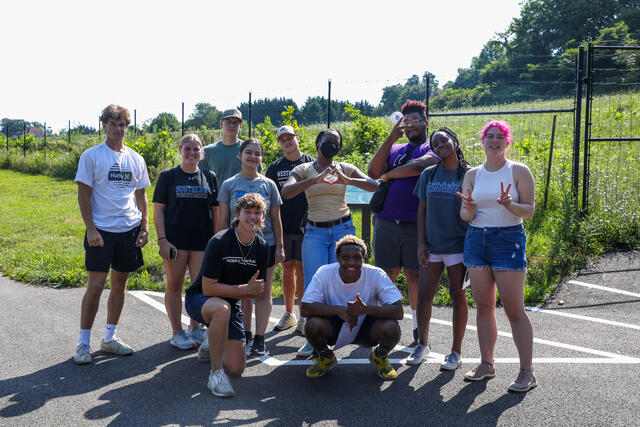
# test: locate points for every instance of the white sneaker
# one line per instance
(451, 362)
(418, 354)
(301, 324)
(287, 321)
(203, 350)
(83, 354)
(219, 384)
(182, 340)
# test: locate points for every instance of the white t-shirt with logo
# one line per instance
(113, 177)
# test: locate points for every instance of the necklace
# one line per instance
(240, 245)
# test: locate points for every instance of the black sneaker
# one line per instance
(258, 348)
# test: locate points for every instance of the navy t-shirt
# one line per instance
(232, 262)
(445, 229)
(188, 198)
(292, 211)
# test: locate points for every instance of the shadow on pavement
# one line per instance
(347, 395)
(31, 392)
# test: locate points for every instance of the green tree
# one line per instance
(204, 114)
(15, 126)
(164, 121)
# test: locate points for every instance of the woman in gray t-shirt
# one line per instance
(441, 234)
(249, 180)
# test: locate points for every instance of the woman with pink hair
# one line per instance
(495, 198)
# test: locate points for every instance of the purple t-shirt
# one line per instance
(400, 203)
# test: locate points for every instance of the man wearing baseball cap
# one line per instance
(221, 157)
(292, 213)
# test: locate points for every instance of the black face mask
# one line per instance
(329, 149)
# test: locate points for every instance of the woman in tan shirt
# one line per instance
(324, 183)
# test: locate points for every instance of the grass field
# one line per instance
(41, 235)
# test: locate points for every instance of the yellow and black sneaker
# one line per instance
(321, 365)
(383, 366)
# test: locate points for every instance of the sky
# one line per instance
(67, 60)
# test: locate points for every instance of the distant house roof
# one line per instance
(36, 131)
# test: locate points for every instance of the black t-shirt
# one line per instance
(188, 198)
(293, 210)
(226, 261)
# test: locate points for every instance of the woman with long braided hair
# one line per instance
(441, 234)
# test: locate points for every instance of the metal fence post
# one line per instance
(577, 124)
(427, 96)
(6, 132)
(183, 119)
(69, 134)
(24, 139)
(587, 130)
(250, 108)
(329, 106)
(135, 124)
(44, 143)
(99, 127)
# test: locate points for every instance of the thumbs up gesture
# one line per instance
(255, 286)
(356, 307)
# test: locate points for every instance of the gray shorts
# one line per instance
(395, 244)
(292, 247)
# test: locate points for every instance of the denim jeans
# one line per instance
(319, 247)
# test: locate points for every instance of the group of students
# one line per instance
(219, 218)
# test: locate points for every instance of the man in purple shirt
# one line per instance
(395, 240)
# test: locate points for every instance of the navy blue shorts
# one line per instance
(193, 304)
(364, 334)
(497, 248)
(119, 252)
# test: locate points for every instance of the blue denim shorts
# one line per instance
(498, 248)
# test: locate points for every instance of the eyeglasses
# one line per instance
(413, 123)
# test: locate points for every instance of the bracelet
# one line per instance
(144, 231)
(162, 238)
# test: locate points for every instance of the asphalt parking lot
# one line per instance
(586, 356)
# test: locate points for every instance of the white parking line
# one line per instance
(272, 361)
(607, 357)
(604, 288)
(587, 318)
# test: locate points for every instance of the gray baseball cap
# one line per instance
(285, 129)
(233, 112)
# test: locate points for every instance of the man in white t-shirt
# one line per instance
(352, 302)
(111, 182)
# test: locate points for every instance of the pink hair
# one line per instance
(503, 126)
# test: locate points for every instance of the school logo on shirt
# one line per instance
(239, 260)
(191, 192)
(443, 190)
(119, 177)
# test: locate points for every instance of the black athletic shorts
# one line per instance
(119, 252)
(293, 247)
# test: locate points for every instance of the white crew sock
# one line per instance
(109, 332)
(415, 319)
(85, 336)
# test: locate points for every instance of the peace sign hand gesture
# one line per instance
(505, 198)
(468, 201)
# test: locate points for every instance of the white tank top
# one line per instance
(486, 190)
